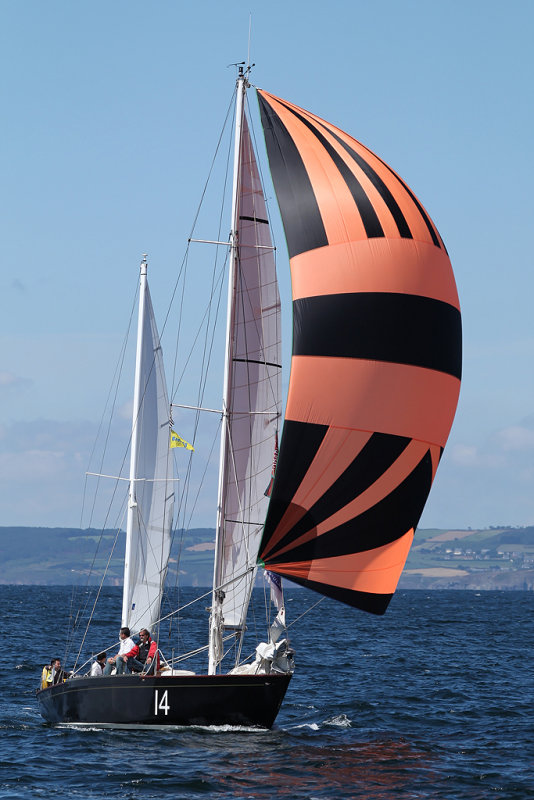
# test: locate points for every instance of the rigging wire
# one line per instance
(115, 381)
(71, 622)
(245, 495)
(209, 323)
(193, 226)
(183, 502)
(217, 286)
(183, 268)
(321, 600)
(98, 592)
(118, 479)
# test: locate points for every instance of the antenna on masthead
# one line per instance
(241, 71)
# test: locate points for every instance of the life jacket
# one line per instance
(144, 649)
(46, 677)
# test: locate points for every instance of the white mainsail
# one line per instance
(253, 403)
(151, 497)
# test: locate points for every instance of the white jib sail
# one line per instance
(151, 479)
(254, 408)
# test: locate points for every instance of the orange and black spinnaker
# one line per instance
(376, 364)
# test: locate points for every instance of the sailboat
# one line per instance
(373, 389)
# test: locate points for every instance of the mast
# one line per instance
(216, 618)
(132, 504)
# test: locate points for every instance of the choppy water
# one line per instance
(433, 700)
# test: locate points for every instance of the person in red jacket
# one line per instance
(143, 657)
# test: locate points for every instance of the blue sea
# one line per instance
(433, 700)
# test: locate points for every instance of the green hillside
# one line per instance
(439, 558)
(55, 556)
(479, 559)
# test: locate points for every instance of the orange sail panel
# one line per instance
(376, 365)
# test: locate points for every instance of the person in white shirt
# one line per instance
(97, 667)
(127, 644)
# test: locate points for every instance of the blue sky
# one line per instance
(110, 116)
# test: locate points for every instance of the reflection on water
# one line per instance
(379, 770)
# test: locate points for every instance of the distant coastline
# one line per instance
(493, 558)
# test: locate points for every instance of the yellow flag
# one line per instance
(177, 441)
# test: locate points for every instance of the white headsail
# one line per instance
(253, 402)
(151, 497)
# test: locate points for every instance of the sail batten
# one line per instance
(376, 362)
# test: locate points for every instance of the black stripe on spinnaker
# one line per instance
(366, 601)
(303, 224)
(380, 186)
(385, 193)
(298, 445)
(426, 218)
(380, 326)
(380, 452)
(370, 220)
(382, 524)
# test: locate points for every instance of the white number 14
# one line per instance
(163, 704)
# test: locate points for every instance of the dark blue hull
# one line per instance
(249, 700)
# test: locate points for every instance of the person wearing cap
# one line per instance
(98, 666)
